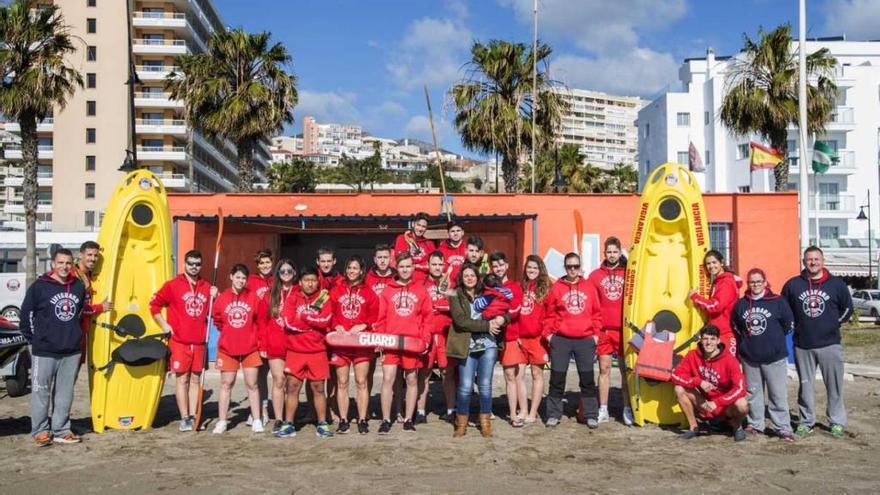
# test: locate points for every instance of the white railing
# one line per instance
(152, 95)
(148, 149)
(833, 203)
(152, 42)
(843, 115)
(40, 147)
(160, 15)
(156, 68)
(174, 122)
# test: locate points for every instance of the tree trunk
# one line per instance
(780, 171)
(189, 155)
(28, 125)
(510, 168)
(245, 150)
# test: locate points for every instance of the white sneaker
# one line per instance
(250, 420)
(603, 416)
(220, 427)
(628, 416)
(257, 427)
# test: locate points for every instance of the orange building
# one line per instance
(751, 229)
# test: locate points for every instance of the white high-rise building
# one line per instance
(671, 122)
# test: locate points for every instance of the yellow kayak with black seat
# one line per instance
(670, 239)
(126, 348)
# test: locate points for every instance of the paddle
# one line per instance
(201, 393)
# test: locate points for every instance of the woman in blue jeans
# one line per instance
(475, 343)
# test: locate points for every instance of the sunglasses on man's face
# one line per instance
(193, 263)
(572, 267)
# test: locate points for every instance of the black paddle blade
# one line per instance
(140, 352)
(666, 320)
(132, 325)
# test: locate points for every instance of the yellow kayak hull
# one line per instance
(670, 239)
(135, 261)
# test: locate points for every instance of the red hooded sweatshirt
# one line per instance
(723, 371)
(186, 308)
(405, 310)
(238, 319)
(440, 319)
(530, 323)
(609, 284)
(573, 309)
(378, 282)
(453, 256)
(273, 338)
(306, 326)
(260, 284)
(353, 305)
(327, 281)
(420, 251)
(719, 306)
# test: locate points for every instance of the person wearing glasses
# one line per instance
(185, 301)
(574, 322)
(273, 343)
(761, 320)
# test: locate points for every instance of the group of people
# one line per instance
(463, 305)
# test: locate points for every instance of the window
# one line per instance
(92, 53)
(745, 189)
(90, 163)
(647, 130)
(92, 3)
(152, 143)
(90, 135)
(719, 238)
(90, 190)
(742, 151)
(91, 108)
(706, 117)
(91, 80)
(683, 157)
(829, 232)
(708, 157)
(683, 119)
(91, 25)
(90, 218)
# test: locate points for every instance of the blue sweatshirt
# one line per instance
(819, 307)
(761, 323)
(50, 316)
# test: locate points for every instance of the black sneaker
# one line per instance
(277, 426)
(408, 425)
(363, 427)
(385, 427)
(421, 419)
(688, 434)
(343, 427)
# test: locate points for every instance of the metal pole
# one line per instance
(869, 243)
(534, 86)
(803, 193)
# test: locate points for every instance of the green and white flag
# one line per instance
(824, 156)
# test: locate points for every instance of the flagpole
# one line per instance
(802, 125)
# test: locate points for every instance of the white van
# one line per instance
(12, 289)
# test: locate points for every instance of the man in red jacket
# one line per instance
(709, 382)
(454, 249)
(85, 265)
(440, 321)
(414, 242)
(380, 274)
(574, 320)
(185, 301)
(328, 277)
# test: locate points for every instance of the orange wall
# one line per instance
(765, 227)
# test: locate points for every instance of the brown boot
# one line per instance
(461, 423)
(485, 425)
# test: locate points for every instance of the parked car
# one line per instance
(867, 302)
(15, 359)
(12, 291)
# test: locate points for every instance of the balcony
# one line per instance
(46, 125)
(13, 152)
(44, 179)
(162, 153)
(834, 205)
(225, 160)
(155, 100)
(16, 224)
(174, 181)
(174, 127)
(156, 73)
(17, 207)
(159, 47)
(846, 163)
(842, 118)
(158, 20)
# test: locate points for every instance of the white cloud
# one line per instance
(389, 109)
(419, 127)
(431, 52)
(857, 19)
(328, 106)
(641, 72)
(458, 8)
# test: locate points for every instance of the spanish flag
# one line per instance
(764, 156)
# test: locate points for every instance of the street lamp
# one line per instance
(867, 217)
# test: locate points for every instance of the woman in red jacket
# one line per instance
(261, 282)
(725, 292)
(404, 309)
(354, 310)
(236, 315)
(273, 344)
(536, 287)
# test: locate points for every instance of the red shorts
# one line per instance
(511, 354)
(233, 363)
(405, 360)
(185, 358)
(609, 343)
(533, 350)
(314, 366)
(349, 357)
(436, 357)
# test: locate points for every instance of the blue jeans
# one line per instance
(480, 364)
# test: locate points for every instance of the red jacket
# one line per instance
(511, 332)
(238, 318)
(378, 282)
(530, 323)
(723, 371)
(453, 256)
(609, 284)
(353, 305)
(719, 306)
(573, 309)
(186, 308)
(260, 284)
(329, 280)
(405, 310)
(273, 340)
(306, 326)
(90, 309)
(440, 318)
(420, 251)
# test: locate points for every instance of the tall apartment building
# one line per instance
(92, 132)
(603, 126)
(674, 120)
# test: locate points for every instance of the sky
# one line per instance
(366, 62)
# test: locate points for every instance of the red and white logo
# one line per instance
(404, 303)
(575, 301)
(262, 291)
(350, 305)
(528, 303)
(612, 286)
(65, 305)
(378, 287)
(237, 314)
(194, 304)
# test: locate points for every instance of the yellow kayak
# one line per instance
(135, 261)
(670, 238)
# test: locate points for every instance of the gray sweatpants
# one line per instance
(46, 371)
(774, 376)
(584, 350)
(830, 361)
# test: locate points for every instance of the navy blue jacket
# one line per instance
(761, 326)
(50, 316)
(819, 307)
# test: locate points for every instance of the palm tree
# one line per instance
(762, 92)
(238, 90)
(622, 178)
(494, 103)
(36, 80)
